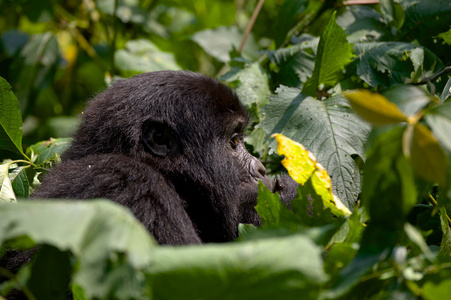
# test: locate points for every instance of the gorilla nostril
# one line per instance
(257, 169)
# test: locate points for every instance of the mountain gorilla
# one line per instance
(169, 146)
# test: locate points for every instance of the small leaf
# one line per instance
(10, 120)
(6, 188)
(334, 53)
(375, 108)
(302, 165)
(427, 157)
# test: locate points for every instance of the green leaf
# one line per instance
(424, 20)
(50, 274)
(439, 119)
(388, 173)
(425, 153)
(110, 246)
(362, 24)
(10, 120)
(44, 151)
(334, 53)
(303, 167)
(6, 188)
(388, 10)
(389, 63)
(295, 64)
(271, 211)
(329, 129)
(141, 56)
(436, 290)
(286, 18)
(446, 91)
(220, 41)
(445, 246)
(375, 108)
(408, 98)
(19, 181)
(38, 63)
(272, 268)
(250, 84)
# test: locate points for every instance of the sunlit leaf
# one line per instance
(302, 165)
(375, 108)
(330, 129)
(425, 153)
(6, 188)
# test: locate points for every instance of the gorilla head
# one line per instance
(168, 145)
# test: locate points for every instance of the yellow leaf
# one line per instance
(426, 155)
(375, 108)
(302, 165)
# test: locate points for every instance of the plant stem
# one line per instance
(251, 24)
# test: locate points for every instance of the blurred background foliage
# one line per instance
(57, 54)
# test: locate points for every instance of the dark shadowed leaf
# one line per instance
(389, 63)
(286, 18)
(10, 120)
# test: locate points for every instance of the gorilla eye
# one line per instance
(235, 140)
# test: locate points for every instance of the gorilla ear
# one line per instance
(159, 138)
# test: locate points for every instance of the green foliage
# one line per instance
(385, 146)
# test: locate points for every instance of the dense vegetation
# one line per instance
(363, 86)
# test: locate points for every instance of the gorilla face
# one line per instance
(168, 145)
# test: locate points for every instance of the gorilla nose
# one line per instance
(258, 171)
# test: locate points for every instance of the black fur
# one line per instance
(168, 145)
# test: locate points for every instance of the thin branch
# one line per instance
(251, 24)
(360, 2)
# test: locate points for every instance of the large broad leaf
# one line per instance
(143, 56)
(334, 53)
(329, 129)
(273, 268)
(10, 120)
(220, 41)
(110, 246)
(390, 63)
